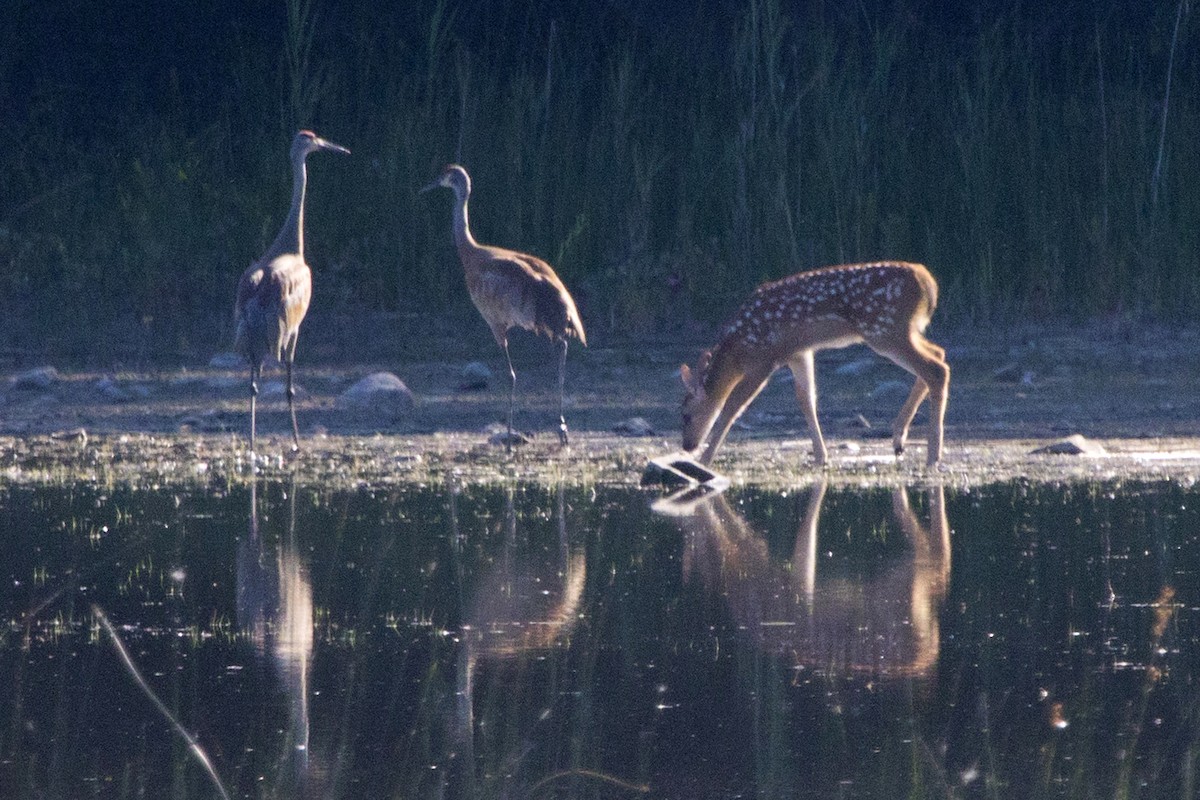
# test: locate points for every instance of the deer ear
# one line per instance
(705, 361)
(685, 372)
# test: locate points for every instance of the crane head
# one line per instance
(308, 142)
(453, 177)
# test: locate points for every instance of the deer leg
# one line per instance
(741, 396)
(804, 552)
(562, 372)
(938, 380)
(939, 530)
(919, 391)
(909, 410)
(927, 362)
(806, 395)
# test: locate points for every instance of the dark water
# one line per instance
(1016, 641)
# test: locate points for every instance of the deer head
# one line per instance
(697, 410)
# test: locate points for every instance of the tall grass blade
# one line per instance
(197, 751)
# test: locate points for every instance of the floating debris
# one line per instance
(680, 469)
(683, 502)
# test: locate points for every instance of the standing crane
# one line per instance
(273, 293)
(512, 290)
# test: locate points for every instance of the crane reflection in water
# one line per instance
(526, 603)
(275, 614)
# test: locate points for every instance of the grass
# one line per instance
(1041, 165)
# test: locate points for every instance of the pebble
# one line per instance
(475, 377)
(211, 421)
(1009, 373)
(1075, 445)
(114, 391)
(890, 388)
(37, 379)
(73, 435)
(227, 361)
(503, 437)
(857, 367)
(634, 426)
(111, 390)
(380, 392)
(225, 383)
(273, 390)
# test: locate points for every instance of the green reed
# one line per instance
(664, 166)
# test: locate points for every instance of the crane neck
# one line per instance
(462, 229)
(290, 239)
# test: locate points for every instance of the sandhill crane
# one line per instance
(512, 290)
(273, 293)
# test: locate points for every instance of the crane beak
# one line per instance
(327, 145)
(436, 184)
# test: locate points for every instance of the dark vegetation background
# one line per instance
(666, 156)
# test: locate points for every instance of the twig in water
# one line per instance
(197, 751)
(593, 774)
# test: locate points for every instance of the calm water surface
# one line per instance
(1012, 641)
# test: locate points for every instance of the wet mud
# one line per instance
(1131, 395)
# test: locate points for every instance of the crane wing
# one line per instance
(527, 290)
(272, 300)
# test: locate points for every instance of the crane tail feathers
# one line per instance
(554, 313)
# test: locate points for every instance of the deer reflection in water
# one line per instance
(884, 623)
(526, 602)
(275, 613)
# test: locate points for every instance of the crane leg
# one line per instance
(291, 396)
(512, 390)
(562, 371)
(253, 398)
